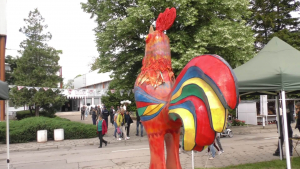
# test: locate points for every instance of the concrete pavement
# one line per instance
(134, 153)
(75, 116)
(249, 144)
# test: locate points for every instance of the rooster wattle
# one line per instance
(197, 100)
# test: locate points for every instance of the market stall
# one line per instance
(273, 71)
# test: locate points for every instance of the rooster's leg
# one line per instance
(172, 145)
(157, 150)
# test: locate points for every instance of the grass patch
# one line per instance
(275, 164)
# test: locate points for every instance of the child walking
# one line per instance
(101, 130)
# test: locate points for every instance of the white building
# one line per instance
(88, 90)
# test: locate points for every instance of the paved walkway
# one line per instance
(250, 144)
(75, 116)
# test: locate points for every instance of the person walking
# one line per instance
(101, 130)
(111, 114)
(93, 115)
(121, 123)
(98, 110)
(217, 140)
(138, 123)
(86, 111)
(214, 144)
(128, 122)
(290, 135)
(115, 124)
(297, 116)
(82, 112)
(213, 151)
(105, 114)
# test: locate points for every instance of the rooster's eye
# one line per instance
(148, 37)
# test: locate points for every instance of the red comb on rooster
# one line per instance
(197, 100)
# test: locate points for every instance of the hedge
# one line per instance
(26, 113)
(26, 130)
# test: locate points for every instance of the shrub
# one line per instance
(26, 130)
(26, 113)
(237, 122)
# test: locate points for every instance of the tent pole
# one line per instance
(278, 124)
(7, 131)
(193, 160)
(286, 139)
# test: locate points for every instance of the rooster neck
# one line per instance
(157, 60)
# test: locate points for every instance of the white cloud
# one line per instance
(71, 29)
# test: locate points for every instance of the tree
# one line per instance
(37, 67)
(69, 84)
(12, 61)
(273, 18)
(114, 99)
(201, 27)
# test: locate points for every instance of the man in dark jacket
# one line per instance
(298, 116)
(290, 135)
(93, 115)
(112, 113)
(105, 115)
(138, 122)
(82, 112)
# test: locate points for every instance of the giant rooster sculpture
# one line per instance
(197, 100)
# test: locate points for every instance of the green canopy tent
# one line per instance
(274, 70)
(4, 96)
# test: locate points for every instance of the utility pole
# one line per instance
(2, 51)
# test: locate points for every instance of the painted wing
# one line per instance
(203, 91)
(148, 106)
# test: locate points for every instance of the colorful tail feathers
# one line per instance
(202, 92)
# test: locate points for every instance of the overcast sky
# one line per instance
(71, 29)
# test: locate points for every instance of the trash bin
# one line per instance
(59, 134)
(42, 136)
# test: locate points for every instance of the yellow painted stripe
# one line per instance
(189, 127)
(152, 109)
(216, 108)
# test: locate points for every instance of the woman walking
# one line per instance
(121, 123)
(116, 125)
(101, 130)
(128, 121)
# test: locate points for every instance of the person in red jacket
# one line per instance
(101, 130)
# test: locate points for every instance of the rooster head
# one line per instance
(157, 58)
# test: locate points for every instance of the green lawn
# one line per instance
(275, 164)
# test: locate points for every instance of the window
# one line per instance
(96, 101)
(82, 102)
(89, 101)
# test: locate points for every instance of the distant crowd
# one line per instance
(119, 118)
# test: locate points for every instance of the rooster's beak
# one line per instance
(151, 29)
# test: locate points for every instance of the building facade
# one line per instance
(88, 90)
